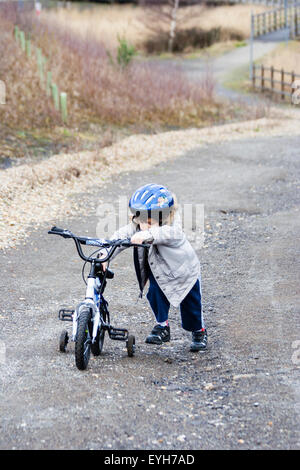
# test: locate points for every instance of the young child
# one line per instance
(170, 264)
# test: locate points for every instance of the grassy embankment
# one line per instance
(223, 27)
(105, 101)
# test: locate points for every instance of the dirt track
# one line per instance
(243, 392)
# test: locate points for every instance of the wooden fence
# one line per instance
(271, 3)
(277, 19)
(275, 81)
(67, 4)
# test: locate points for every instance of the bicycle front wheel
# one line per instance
(98, 345)
(83, 340)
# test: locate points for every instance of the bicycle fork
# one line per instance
(92, 303)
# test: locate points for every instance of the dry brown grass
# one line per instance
(286, 56)
(147, 95)
(102, 22)
(141, 94)
(235, 18)
(107, 22)
(26, 104)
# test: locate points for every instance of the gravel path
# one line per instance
(243, 392)
(238, 57)
(34, 193)
(225, 66)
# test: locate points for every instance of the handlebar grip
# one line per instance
(59, 231)
(143, 245)
(128, 244)
(56, 229)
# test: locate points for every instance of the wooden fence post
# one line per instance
(251, 45)
(253, 75)
(292, 89)
(262, 78)
(282, 84)
(272, 79)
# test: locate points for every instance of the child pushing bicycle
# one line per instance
(170, 264)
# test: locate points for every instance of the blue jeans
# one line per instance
(190, 307)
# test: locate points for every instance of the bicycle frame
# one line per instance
(94, 300)
(96, 283)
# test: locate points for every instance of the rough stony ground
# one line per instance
(34, 193)
(243, 392)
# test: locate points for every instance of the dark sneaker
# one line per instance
(159, 334)
(199, 340)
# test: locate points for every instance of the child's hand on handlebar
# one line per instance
(140, 237)
(105, 264)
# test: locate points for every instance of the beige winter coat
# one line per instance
(172, 260)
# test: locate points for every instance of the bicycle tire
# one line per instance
(63, 341)
(98, 345)
(83, 340)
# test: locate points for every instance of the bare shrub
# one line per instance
(189, 38)
(141, 93)
(26, 103)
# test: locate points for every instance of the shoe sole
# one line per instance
(156, 340)
(197, 349)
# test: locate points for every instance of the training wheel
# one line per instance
(130, 344)
(63, 341)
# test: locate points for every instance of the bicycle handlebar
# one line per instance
(102, 243)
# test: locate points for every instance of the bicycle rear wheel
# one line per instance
(83, 340)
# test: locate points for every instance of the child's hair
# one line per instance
(167, 218)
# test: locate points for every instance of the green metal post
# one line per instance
(63, 106)
(16, 33)
(22, 40)
(48, 83)
(55, 96)
(40, 63)
(28, 48)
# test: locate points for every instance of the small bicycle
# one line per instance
(91, 319)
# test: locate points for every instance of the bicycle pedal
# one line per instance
(66, 314)
(120, 334)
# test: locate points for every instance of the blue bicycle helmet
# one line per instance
(151, 200)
